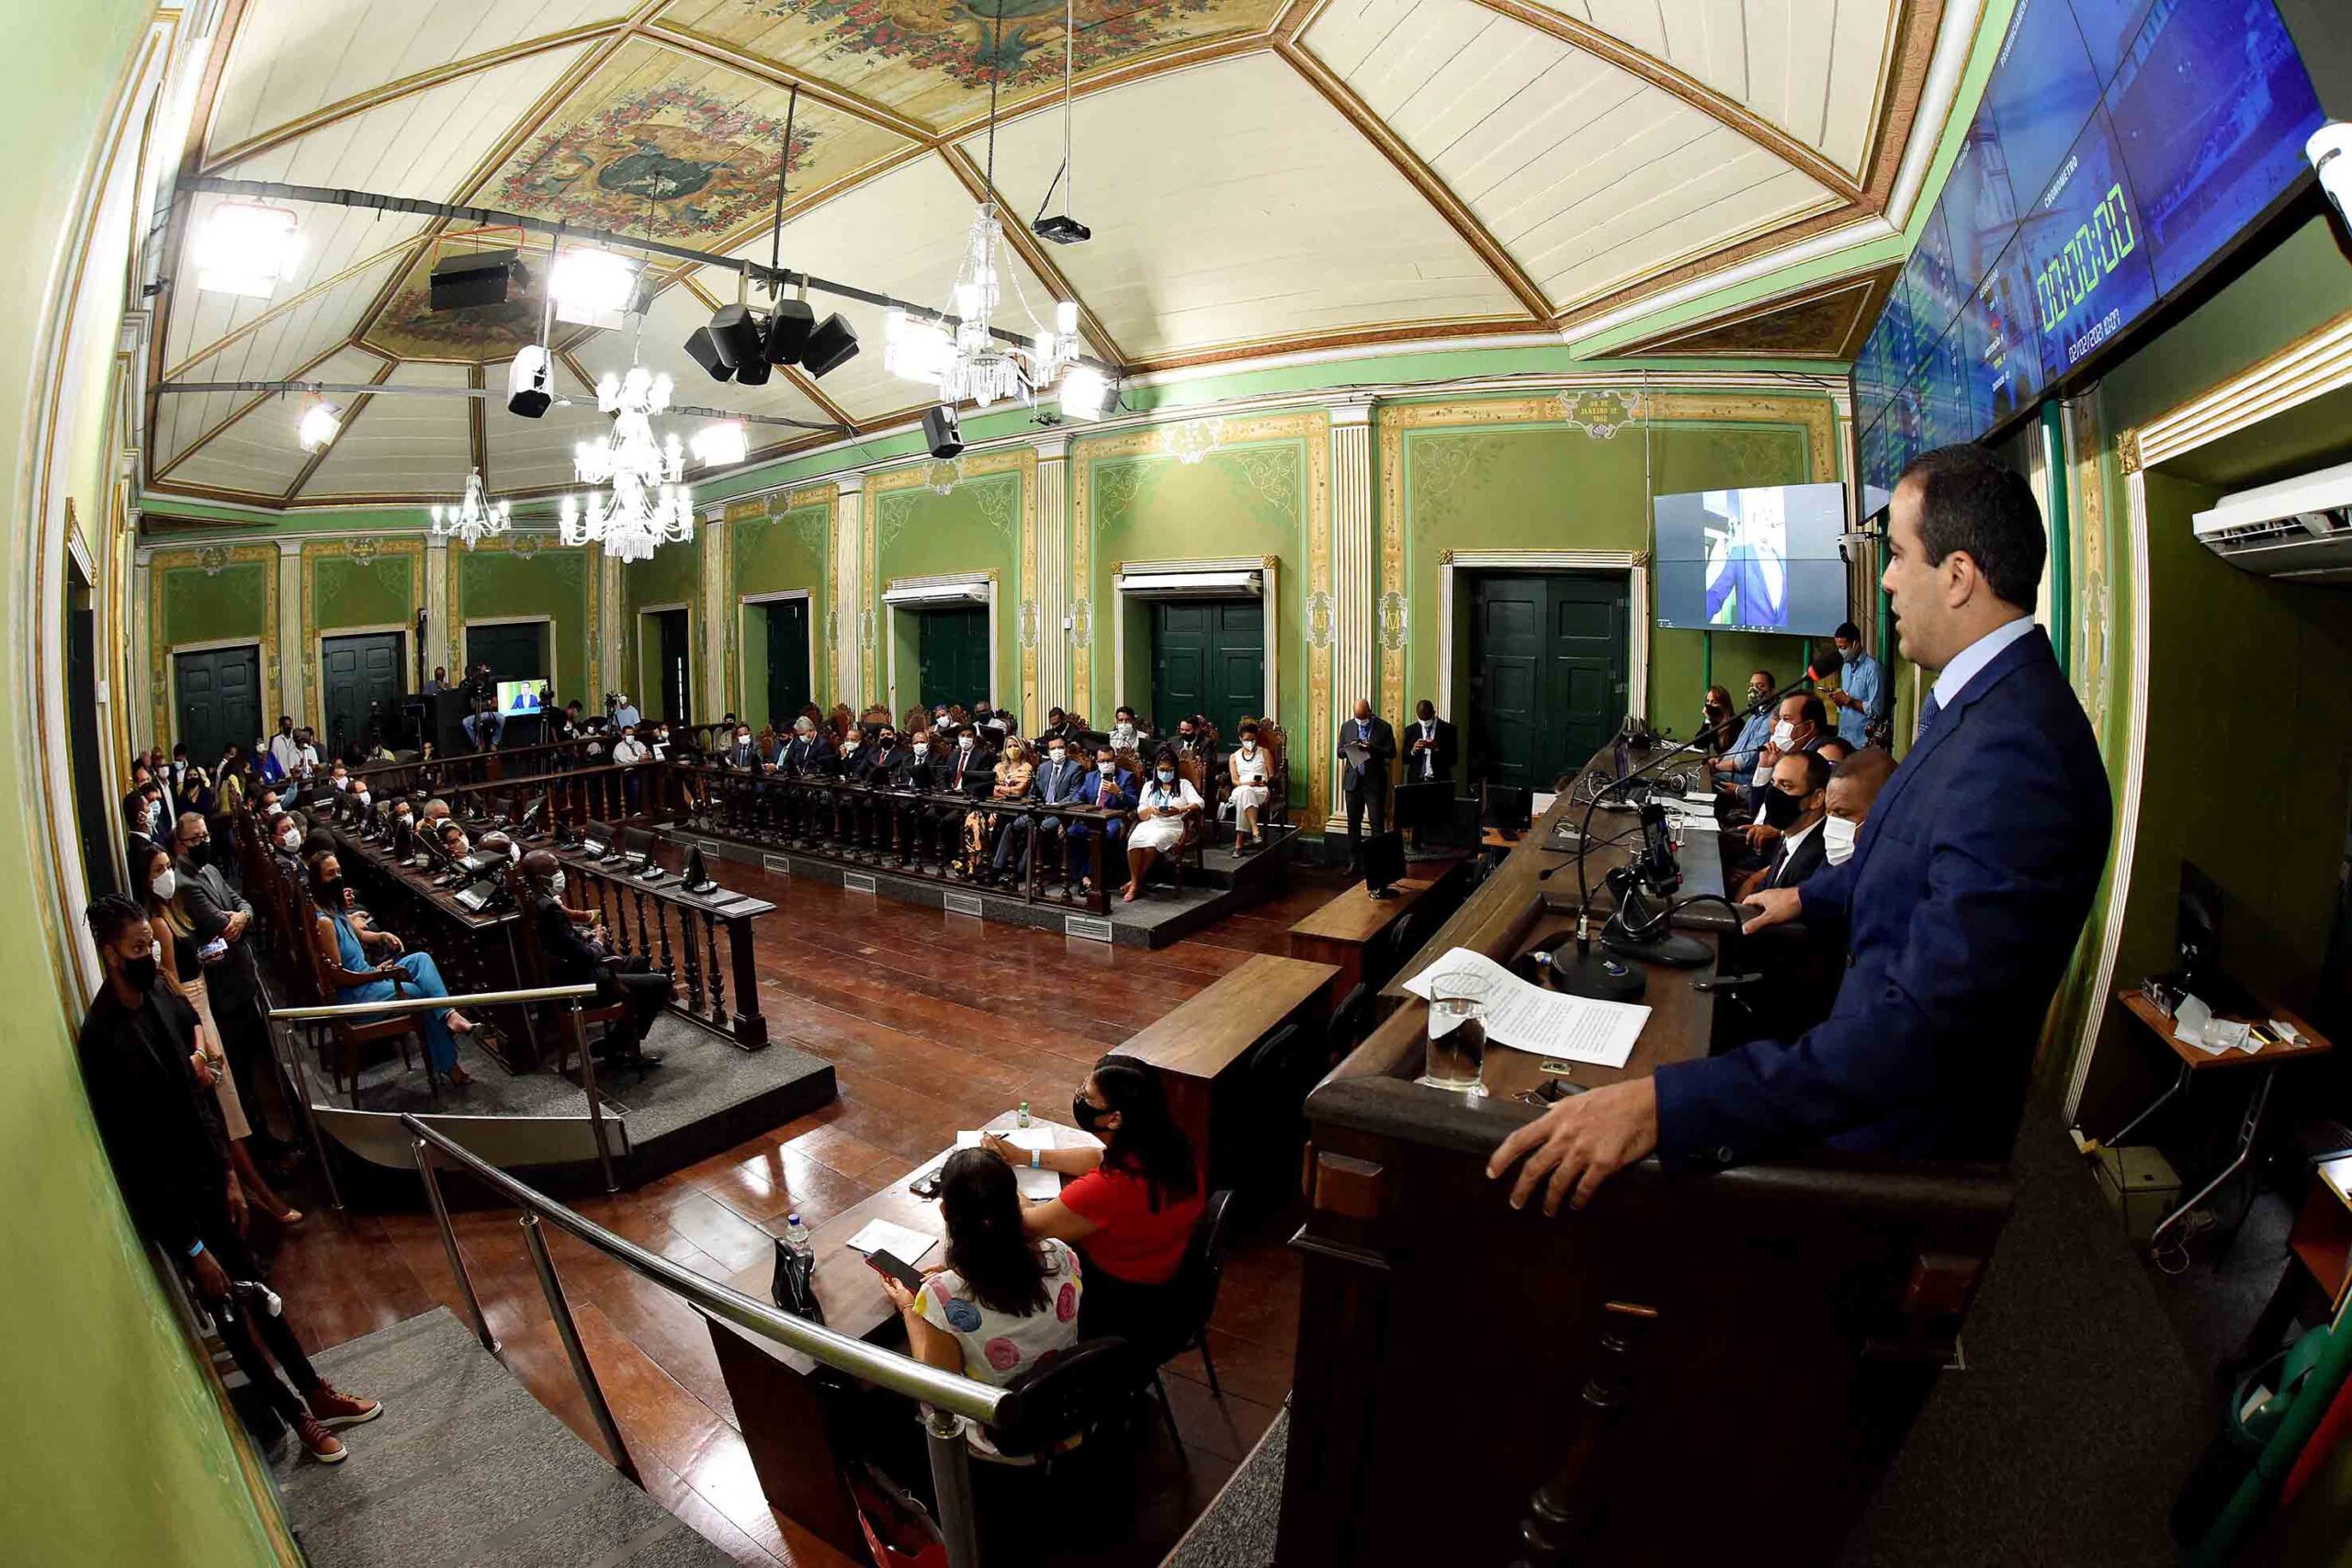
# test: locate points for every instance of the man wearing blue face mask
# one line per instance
(1861, 693)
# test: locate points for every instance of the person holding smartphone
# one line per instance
(1005, 1300)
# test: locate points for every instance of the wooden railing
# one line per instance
(914, 833)
(640, 919)
(636, 792)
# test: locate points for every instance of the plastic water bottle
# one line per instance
(795, 1236)
(1024, 1113)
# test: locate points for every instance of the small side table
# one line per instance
(2196, 1062)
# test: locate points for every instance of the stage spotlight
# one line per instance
(592, 288)
(941, 431)
(246, 248)
(526, 383)
(832, 344)
(1086, 392)
(703, 350)
(320, 422)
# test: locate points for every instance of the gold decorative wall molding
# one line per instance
(1021, 461)
(211, 559)
(2314, 365)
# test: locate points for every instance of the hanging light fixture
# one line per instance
(474, 517)
(647, 505)
(246, 248)
(320, 422)
(720, 445)
(971, 363)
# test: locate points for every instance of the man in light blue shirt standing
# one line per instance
(1863, 688)
(625, 713)
(1734, 766)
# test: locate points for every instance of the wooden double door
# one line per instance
(1549, 656)
(359, 677)
(951, 655)
(1209, 656)
(217, 699)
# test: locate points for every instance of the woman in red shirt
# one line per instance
(1131, 1211)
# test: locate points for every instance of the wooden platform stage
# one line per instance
(929, 1028)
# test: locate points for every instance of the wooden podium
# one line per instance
(1712, 1368)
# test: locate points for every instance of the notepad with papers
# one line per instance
(1529, 1018)
(881, 1236)
(1037, 1185)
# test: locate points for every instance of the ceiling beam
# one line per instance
(350, 417)
(1421, 178)
(1727, 112)
(155, 400)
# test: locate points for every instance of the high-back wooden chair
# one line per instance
(539, 972)
(344, 1042)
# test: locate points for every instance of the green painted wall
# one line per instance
(496, 584)
(784, 551)
(382, 591)
(672, 577)
(974, 527)
(116, 1450)
(232, 604)
(1550, 487)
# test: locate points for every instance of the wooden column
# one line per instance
(853, 627)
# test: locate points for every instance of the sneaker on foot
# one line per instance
(319, 1443)
(334, 1408)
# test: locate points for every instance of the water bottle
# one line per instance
(795, 1236)
(1024, 1113)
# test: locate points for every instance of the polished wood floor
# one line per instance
(932, 1022)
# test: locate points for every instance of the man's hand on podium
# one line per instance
(1780, 905)
(1578, 1144)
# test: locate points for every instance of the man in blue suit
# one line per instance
(1057, 781)
(1114, 788)
(1965, 893)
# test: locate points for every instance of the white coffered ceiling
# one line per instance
(1261, 175)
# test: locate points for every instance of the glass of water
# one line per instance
(1456, 1055)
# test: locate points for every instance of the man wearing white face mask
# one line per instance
(578, 953)
(1853, 785)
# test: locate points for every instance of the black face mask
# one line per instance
(331, 894)
(1781, 808)
(141, 972)
(1084, 1113)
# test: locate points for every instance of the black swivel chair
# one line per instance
(1197, 1281)
(1086, 1387)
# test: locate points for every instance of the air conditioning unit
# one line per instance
(2298, 528)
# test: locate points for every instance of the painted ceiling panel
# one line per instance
(1586, 173)
(930, 60)
(1286, 222)
(402, 445)
(295, 57)
(256, 455)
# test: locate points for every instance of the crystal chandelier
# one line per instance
(648, 504)
(474, 517)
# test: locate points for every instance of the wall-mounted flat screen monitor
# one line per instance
(2087, 252)
(1765, 558)
(518, 696)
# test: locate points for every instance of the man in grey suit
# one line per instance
(220, 914)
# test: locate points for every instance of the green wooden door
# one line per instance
(1209, 656)
(356, 672)
(788, 661)
(219, 700)
(514, 652)
(671, 640)
(951, 655)
(1548, 674)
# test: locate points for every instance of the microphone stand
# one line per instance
(1597, 975)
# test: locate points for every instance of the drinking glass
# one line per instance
(1456, 1055)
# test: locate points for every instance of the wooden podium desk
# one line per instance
(1353, 932)
(1684, 1368)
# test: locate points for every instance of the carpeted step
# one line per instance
(466, 1468)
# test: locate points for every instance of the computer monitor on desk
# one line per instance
(1505, 808)
(1420, 807)
(1384, 864)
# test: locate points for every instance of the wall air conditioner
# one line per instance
(938, 593)
(1194, 585)
(2298, 528)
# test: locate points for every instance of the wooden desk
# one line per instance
(2195, 1060)
(1347, 931)
(784, 1415)
(1442, 1321)
(1200, 1046)
(2322, 1236)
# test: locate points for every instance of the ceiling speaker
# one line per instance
(832, 344)
(737, 333)
(477, 277)
(941, 431)
(703, 350)
(788, 331)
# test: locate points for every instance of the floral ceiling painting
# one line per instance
(409, 328)
(932, 60)
(678, 148)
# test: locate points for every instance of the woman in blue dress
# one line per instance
(344, 948)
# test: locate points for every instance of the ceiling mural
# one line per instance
(934, 60)
(676, 148)
(1261, 176)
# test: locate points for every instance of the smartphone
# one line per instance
(885, 1263)
(927, 1187)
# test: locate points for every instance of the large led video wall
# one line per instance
(2120, 146)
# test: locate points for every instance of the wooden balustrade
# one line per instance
(638, 917)
(634, 792)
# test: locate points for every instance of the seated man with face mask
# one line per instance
(1793, 809)
(1853, 784)
(578, 953)
(1802, 964)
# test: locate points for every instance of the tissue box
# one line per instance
(2140, 1186)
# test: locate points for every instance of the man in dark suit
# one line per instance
(1793, 808)
(1365, 781)
(1055, 781)
(1429, 745)
(216, 912)
(1114, 788)
(577, 951)
(1964, 895)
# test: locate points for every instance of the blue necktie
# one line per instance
(1930, 712)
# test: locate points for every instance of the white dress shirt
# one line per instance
(1965, 664)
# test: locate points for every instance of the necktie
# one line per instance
(1930, 712)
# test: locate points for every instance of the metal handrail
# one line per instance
(432, 1004)
(901, 1374)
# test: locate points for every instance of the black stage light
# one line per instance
(940, 430)
(831, 345)
(703, 350)
(477, 277)
(1062, 230)
(737, 333)
(788, 331)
